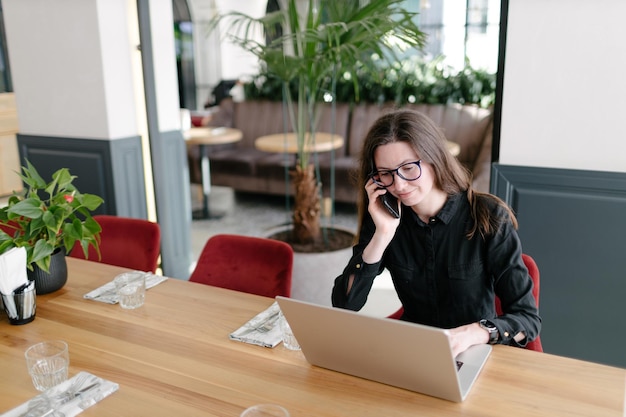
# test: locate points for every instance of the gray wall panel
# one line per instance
(112, 169)
(574, 224)
(171, 187)
(128, 174)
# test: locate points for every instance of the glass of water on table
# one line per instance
(131, 289)
(48, 363)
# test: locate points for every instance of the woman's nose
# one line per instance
(399, 183)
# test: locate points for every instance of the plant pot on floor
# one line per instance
(314, 273)
(55, 279)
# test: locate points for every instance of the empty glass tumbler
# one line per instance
(131, 289)
(265, 410)
(48, 363)
(289, 340)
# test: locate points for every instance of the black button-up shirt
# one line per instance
(445, 280)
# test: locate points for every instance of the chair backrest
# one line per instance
(7, 229)
(533, 271)
(243, 263)
(124, 241)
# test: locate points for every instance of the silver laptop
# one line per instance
(393, 352)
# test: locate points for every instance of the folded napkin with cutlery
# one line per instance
(67, 399)
(108, 294)
(263, 329)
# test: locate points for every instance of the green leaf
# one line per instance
(63, 178)
(91, 201)
(92, 226)
(41, 252)
(44, 263)
(31, 177)
(49, 220)
(5, 245)
(30, 207)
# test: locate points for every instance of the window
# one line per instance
(460, 30)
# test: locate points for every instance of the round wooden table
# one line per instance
(288, 142)
(203, 137)
(324, 142)
(212, 135)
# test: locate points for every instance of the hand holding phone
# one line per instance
(391, 204)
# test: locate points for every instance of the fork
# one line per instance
(47, 405)
(264, 327)
(269, 324)
(72, 391)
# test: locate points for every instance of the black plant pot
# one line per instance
(47, 282)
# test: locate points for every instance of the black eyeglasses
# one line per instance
(408, 172)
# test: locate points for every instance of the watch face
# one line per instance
(488, 325)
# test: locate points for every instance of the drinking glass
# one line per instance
(289, 340)
(265, 410)
(131, 289)
(48, 363)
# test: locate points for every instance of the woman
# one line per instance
(451, 251)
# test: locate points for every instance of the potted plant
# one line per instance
(307, 49)
(48, 219)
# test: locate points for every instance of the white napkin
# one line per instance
(95, 389)
(107, 293)
(267, 319)
(13, 270)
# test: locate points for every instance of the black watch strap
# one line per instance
(494, 334)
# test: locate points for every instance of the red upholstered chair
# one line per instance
(124, 241)
(533, 271)
(243, 263)
(7, 229)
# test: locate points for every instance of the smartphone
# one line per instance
(391, 204)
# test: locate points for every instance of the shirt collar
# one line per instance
(448, 210)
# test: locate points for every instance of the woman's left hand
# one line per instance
(462, 337)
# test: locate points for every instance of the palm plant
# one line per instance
(307, 49)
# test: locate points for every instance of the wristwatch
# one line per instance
(494, 334)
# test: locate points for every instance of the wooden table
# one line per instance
(203, 137)
(288, 142)
(324, 142)
(172, 357)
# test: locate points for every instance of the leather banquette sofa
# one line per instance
(247, 169)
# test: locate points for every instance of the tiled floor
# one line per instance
(252, 215)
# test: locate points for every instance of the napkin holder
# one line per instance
(21, 304)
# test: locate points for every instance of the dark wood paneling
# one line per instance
(573, 223)
(111, 169)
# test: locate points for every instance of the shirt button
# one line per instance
(433, 220)
(358, 266)
(506, 334)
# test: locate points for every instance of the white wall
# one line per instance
(165, 74)
(236, 62)
(74, 61)
(564, 102)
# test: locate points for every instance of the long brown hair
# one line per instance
(429, 142)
